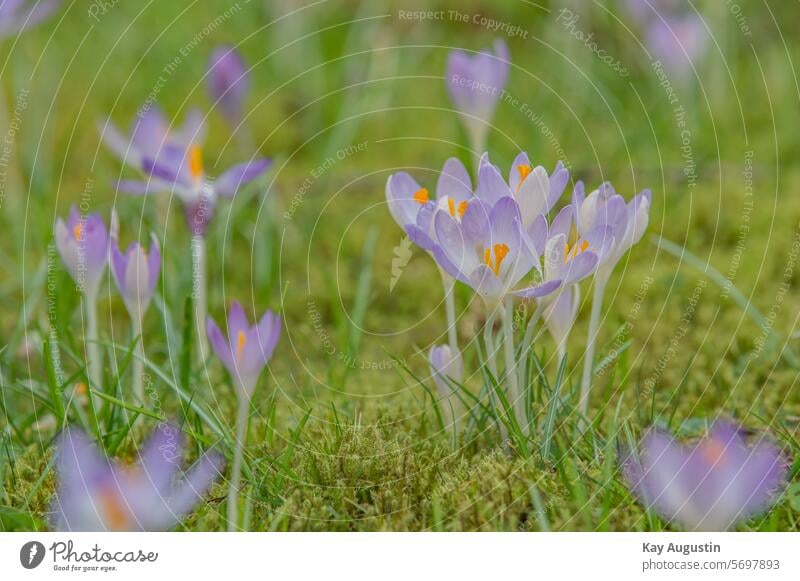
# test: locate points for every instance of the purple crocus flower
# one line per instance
(710, 485)
(674, 33)
(136, 273)
(83, 245)
(246, 349)
(535, 191)
(150, 133)
(446, 367)
(413, 208)
(20, 15)
(96, 494)
(605, 208)
(228, 82)
(476, 83)
(181, 171)
(488, 249)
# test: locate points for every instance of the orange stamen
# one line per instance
(421, 196)
(579, 247)
(451, 205)
(241, 341)
(524, 171)
(195, 161)
(77, 232)
(713, 451)
(500, 253)
(462, 208)
(113, 510)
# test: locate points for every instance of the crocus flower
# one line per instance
(97, 494)
(181, 171)
(476, 83)
(228, 82)
(446, 366)
(19, 15)
(710, 485)
(83, 245)
(535, 191)
(413, 208)
(246, 349)
(605, 208)
(136, 273)
(150, 133)
(674, 33)
(489, 251)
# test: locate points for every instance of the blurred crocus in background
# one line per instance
(83, 244)
(17, 16)
(228, 83)
(605, 209)
(674, 33)
(136, 273)
(710, 485)
(244, 352)
(476, 82)
(446, 367)
(97, 494)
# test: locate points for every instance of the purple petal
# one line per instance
(239, 175)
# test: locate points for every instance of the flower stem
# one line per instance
(450, 306)
(94, 363)
(236, 469)
(138, 360)
(588, 357)
(511, 376)
(488, 341)
(199, 260)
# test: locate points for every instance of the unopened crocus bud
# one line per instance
(446, 367)
(136, 273)
(228, 82)
(83, 245)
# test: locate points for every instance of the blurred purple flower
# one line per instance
(710, 485)
(604, 208)
(83, 244)
(17, 16)
(476, 84)
(488, 249)
(96, 494)
(181, 171)
(445, 367)
(674, 32)
(150, 134)
(228, 82)
(246, 349)
(136, 273)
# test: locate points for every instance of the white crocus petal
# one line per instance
(588, 212)
(554, 256)
(532, 195)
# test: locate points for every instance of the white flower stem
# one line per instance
(199, 259)
(450, 306)
(528, 339)
(137, 366)
(236, 469)
(488, 342)
(511, 376)
(477, 142)
(591, 340)
(94, 363)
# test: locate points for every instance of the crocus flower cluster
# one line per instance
(17, 16)
(710, 485)
(499, 239)
(674, 32)
(97, 494)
